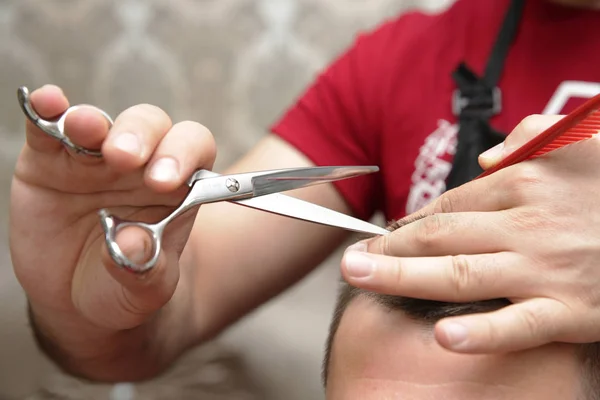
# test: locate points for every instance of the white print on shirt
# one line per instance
(432, 166)
(568, 90)
(434, 162)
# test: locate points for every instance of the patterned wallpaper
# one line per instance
(233, 65)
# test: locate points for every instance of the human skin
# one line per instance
(100, 322)
(519, 233)
(382, 354)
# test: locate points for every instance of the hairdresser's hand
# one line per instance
(81, 301)
(529, 233)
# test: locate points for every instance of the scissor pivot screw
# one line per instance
(232, 185)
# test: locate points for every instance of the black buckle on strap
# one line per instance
(490, 103)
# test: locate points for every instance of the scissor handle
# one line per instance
(56, 127)
(112, 225)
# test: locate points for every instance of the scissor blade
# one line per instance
(295, 178)
(299, 209)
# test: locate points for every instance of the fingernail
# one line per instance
(456, 333)
(129, 143)
(165, 170)
(358, 265)
(494, 152)
(360, 246)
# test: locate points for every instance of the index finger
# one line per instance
(483, 194)
(450, 279)
(491, 193)
(504, 189)
(446, 234)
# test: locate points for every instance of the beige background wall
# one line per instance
(233, 65)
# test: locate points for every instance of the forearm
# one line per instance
(239, 257)
(264, 254)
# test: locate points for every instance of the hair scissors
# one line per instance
(259, 190)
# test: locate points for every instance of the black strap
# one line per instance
(503, 42)
(476, 100)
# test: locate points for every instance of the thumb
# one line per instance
(146, 291)
(526, 130)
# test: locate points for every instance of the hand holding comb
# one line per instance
(581, 124)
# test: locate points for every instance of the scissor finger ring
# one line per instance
(56, 127)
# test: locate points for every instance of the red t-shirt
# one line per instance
(386, 101)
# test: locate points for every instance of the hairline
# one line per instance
(347, 293)
(587, 353)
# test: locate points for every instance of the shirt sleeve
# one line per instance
(338, 119)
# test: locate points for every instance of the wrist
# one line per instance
(84, 350)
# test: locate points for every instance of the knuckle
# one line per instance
(148, 116)
(536, 220)
(462, 276)
(397, 274)
(524, 182)
(531, 126)
(491, 334)
(528, 127)
(428, 230)
(384, 245)
(195, 129)
(149, 110)
(530, 123)
(446, 203)
(192, 139)
(528, 174)
(532, 319)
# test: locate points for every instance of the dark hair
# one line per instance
(429, 312)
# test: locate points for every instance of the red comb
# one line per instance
(581, 124)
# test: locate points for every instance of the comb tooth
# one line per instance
(585, 129)
(578, 132)
(589, 124)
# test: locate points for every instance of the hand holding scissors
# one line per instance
(253, 189)
(88, 214)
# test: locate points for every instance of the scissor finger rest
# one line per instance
(201, 192)
(56, 127)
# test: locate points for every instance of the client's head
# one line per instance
(382, 347)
